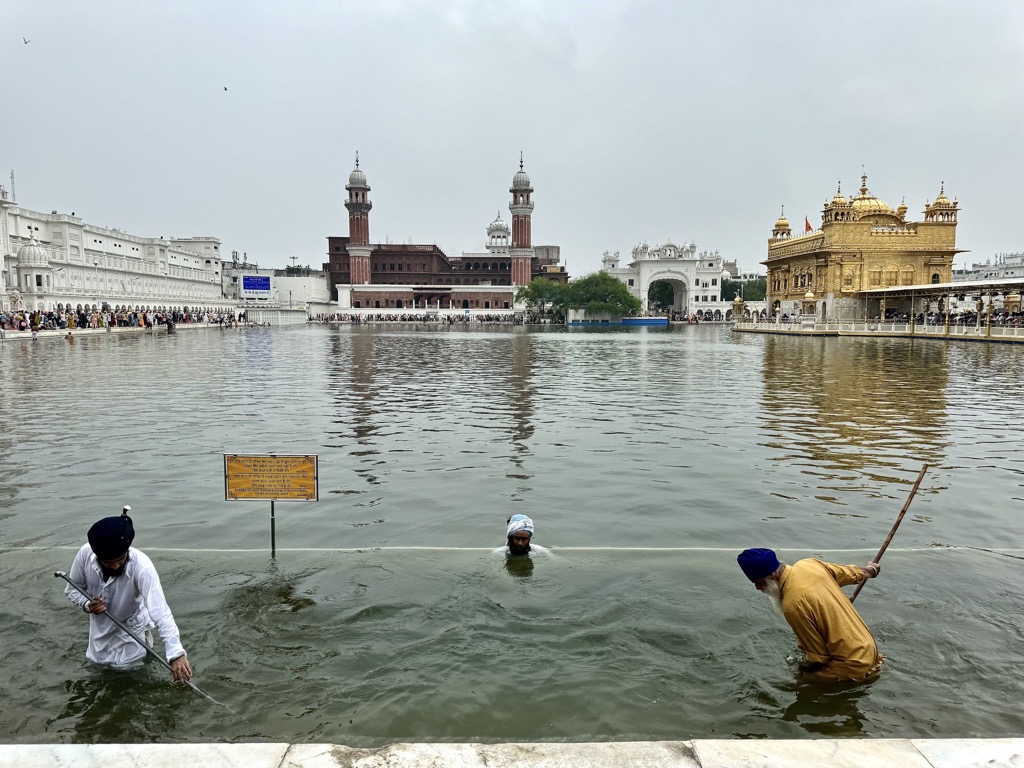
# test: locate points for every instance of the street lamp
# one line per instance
(96, 264)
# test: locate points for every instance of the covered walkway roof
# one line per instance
(1003, 285)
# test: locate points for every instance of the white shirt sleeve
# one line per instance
(148, 583)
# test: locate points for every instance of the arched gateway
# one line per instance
(696, 278)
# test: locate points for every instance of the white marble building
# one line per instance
(696, 279)
(55, 260)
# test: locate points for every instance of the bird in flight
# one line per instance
(26, 41)
(225, 87)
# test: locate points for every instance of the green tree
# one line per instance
(748, 290)
(540, 294)
(661, 293)
(600, 293)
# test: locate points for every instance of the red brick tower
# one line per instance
(359, 206)
(521, 208)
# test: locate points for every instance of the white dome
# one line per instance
(357, 178)
(497, 226)
(520, 180)
(32, 254)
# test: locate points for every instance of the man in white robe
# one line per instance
(123, 581)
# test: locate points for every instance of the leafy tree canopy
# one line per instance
(599, 293)
(752, 290)
(541, 293)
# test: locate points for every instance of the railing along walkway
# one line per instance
(994, 333)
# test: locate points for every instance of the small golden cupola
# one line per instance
(941, 209)
(781, 229)
(901, 210)
(838, 209)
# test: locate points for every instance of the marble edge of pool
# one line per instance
(698, 753)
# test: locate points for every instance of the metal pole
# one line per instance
(273, 533)
(133, 636)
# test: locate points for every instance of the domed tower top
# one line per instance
(359, 206)
(838, 208)
(839, 199)
(941, 209)
(521, 181)
(866, 204)
(781, 228)
(357, 179)
(32, 254)
(498, 235)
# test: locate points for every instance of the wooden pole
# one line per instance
(896, 525)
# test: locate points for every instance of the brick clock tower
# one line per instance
(521, 208)
(359, 206)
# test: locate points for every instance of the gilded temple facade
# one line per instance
(862, 244)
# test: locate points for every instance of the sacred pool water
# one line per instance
(647, 458)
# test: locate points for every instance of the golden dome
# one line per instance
(782, 222)
(866, 204)
(839, 199)
(942, 199)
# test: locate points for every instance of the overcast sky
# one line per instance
(639, 121)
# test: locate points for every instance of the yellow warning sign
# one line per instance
(270, 477)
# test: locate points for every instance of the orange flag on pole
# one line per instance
(807, 225)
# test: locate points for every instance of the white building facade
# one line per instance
(696, 279)
(56, 261)
(1005, 265)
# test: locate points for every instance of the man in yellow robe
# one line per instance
(835, 641)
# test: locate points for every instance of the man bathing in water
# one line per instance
(835, 641)
(519, 538)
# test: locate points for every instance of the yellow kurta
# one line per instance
(828, 628)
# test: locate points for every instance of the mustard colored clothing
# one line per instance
(828, 628)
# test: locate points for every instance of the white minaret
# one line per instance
(5, 247)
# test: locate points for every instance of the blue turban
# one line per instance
(111, 537)
(518, 523)
(758, 563)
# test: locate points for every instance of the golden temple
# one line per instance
(862, 244)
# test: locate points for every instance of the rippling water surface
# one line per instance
(647, 458)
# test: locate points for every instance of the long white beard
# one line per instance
(774, 594)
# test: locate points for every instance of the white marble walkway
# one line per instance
(700, 753)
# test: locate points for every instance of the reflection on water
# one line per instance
(649, 458)
(857, 411)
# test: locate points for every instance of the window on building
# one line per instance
(714, 281)
(392, 267)
(399, 267)
(630, 281)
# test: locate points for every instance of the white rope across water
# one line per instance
(372, 548)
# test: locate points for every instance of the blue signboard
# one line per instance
(255, 285)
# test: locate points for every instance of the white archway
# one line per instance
(679, 281)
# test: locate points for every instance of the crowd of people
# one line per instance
(394, 317)
(71, 319)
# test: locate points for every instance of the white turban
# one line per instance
(518, 523)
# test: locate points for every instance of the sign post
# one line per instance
(271, 477)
